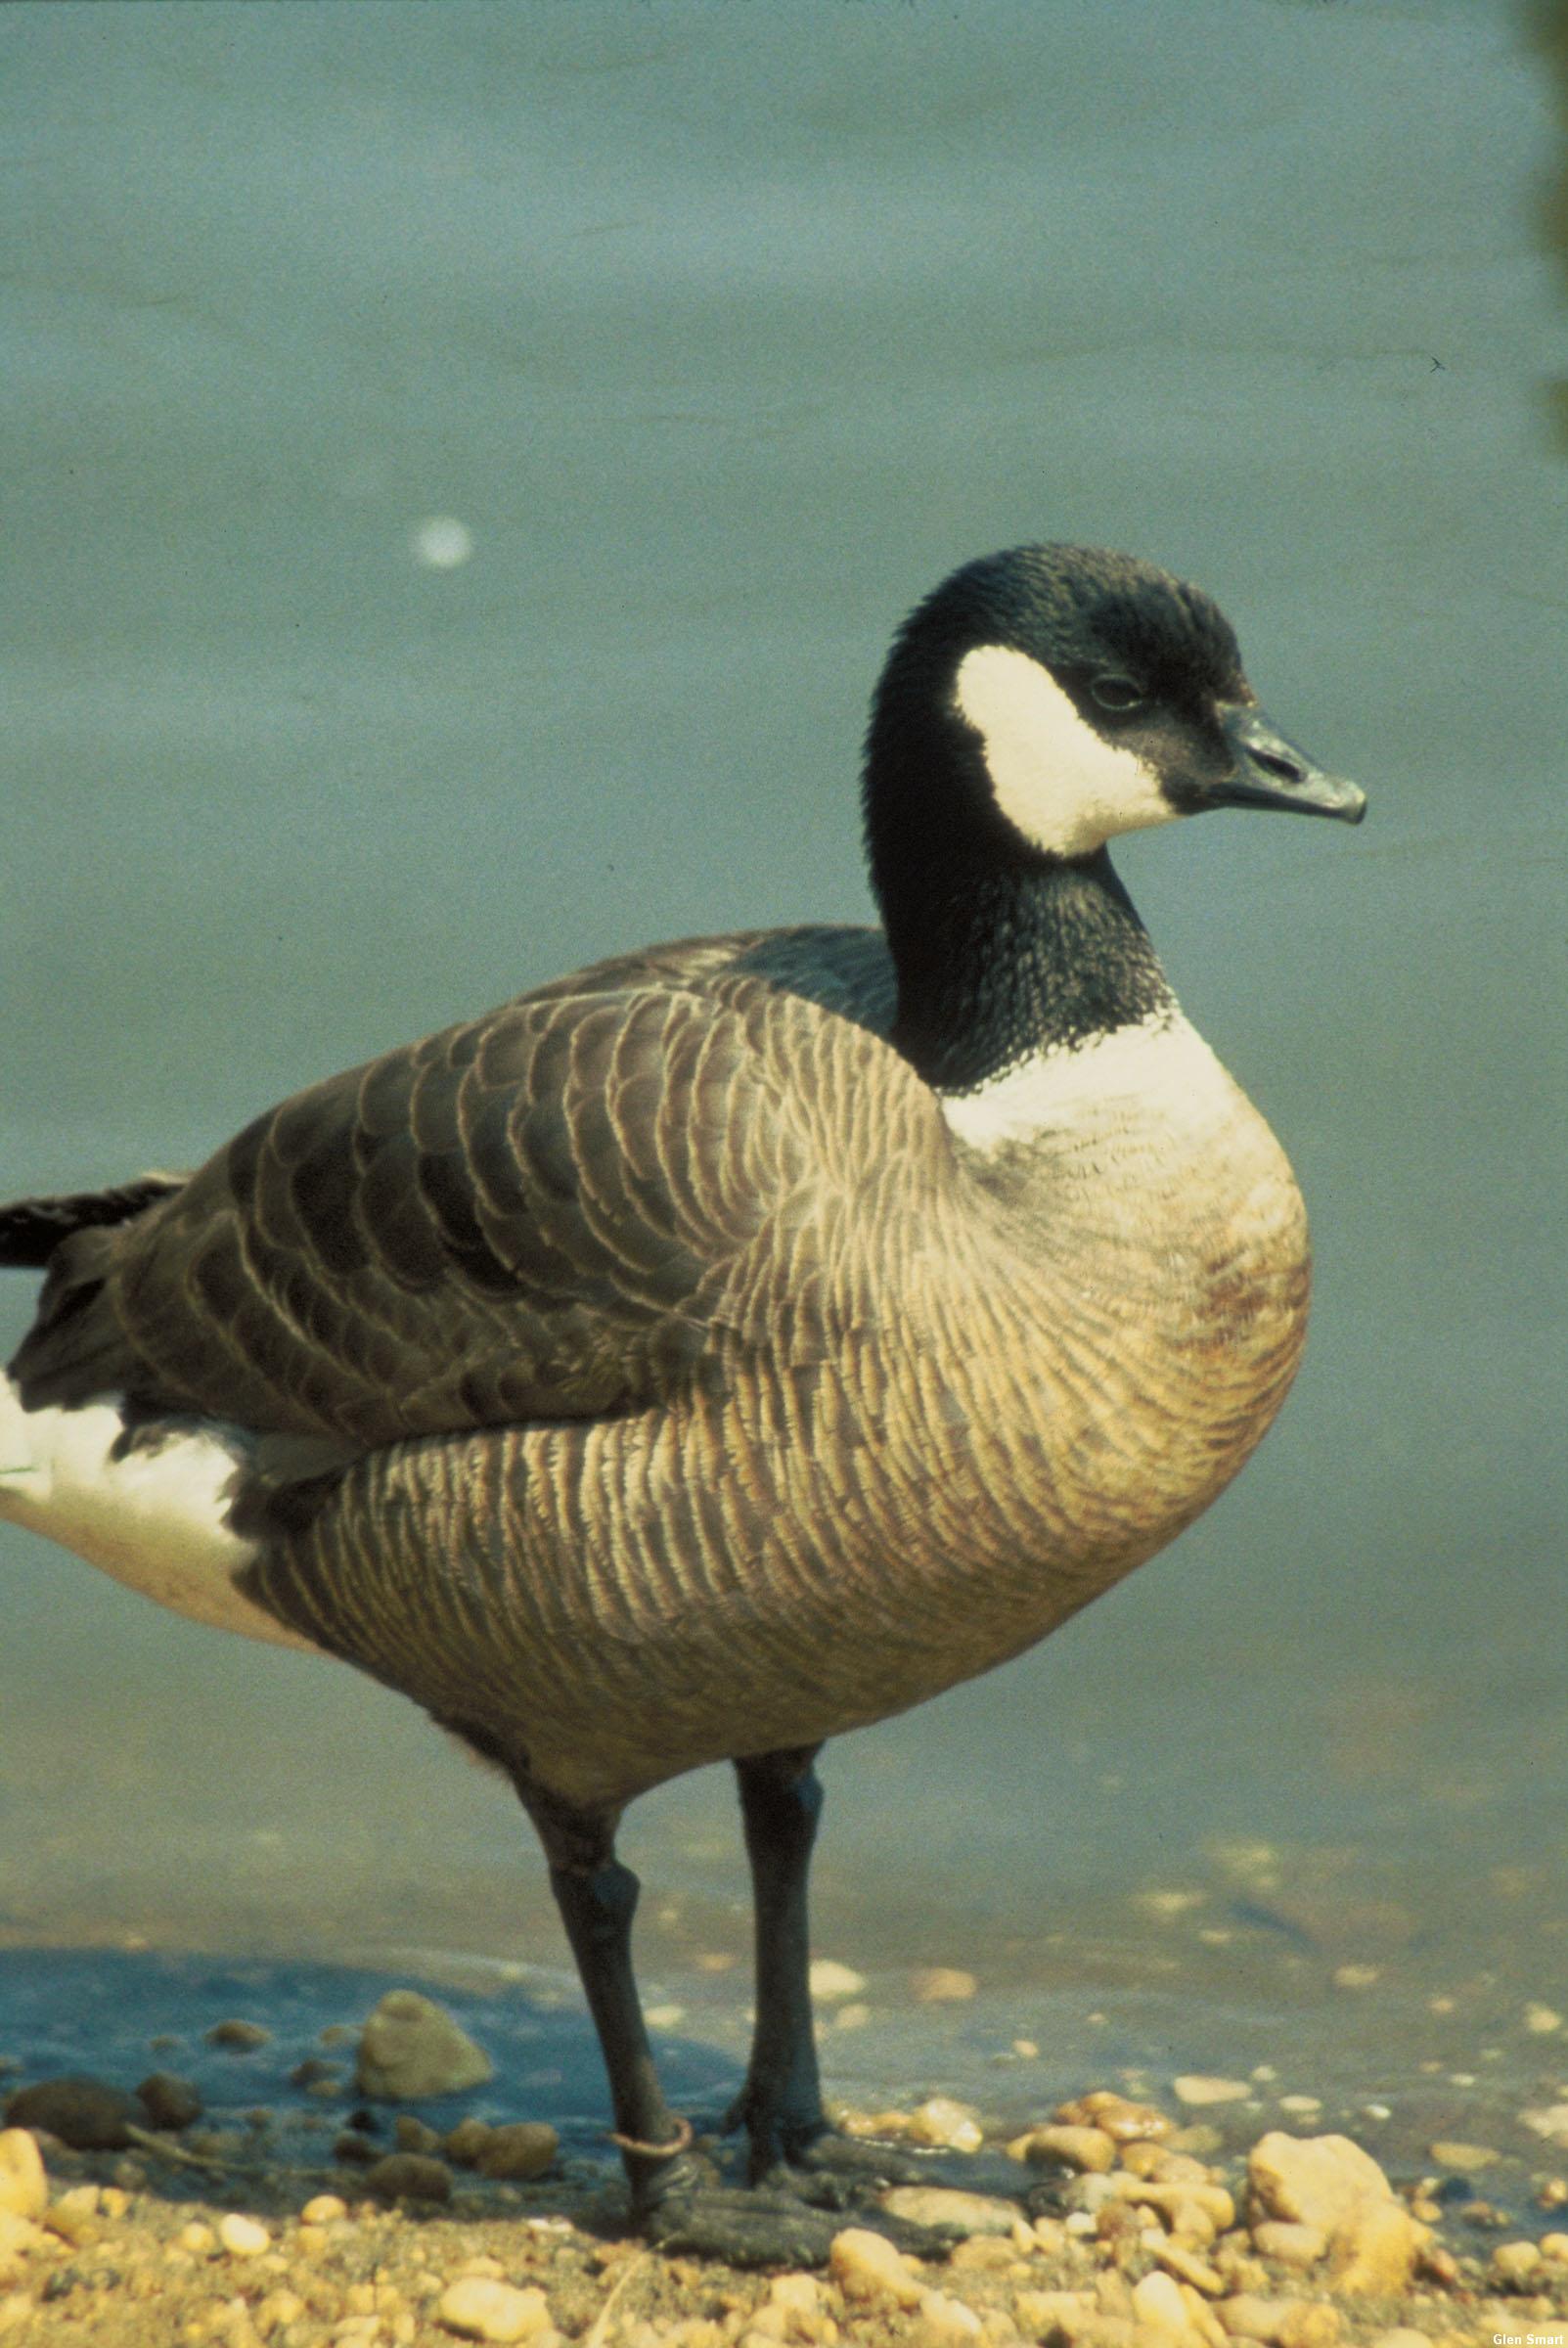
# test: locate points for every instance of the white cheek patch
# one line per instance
(156, 1519)
(1056, 780)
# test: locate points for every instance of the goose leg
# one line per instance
(781, 2103)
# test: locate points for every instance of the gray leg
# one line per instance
(781, 2103)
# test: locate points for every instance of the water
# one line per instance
(723, 333)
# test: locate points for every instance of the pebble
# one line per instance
(242, 2236)
(1555, 2246)
(1123, 2121)
(1516, 2264)
(408, 2176)
(867, 2267)
(1292, 2245)
(517, 2149)
(169, 2101)
(942, 1984)
(1195, 2088)
(324, 2209)
(1449, 2155)
(1157, 2301)
(943, 2322)
(830, 1979)
(1047, 2312)
(478, 2308)
(23, 2184)
(1187, 2267)
(239, 2037)
(951, 2210)
(1064, 2147)
(87, 2114)
(941, 2122)
(1549, 2122)
(411, 2048)
(1540, 2019)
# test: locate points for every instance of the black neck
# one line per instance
(1001, 952)
(997, 963)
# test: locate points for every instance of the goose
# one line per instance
(742, 1339)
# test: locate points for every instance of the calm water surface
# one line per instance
(723, 333)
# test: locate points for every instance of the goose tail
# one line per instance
(31, 1229)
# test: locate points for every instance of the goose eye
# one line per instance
(1118, 693)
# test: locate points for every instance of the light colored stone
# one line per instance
(1309, 2324)
(867, 2267)
(1185, 2264)
(947, 2207)
(942, 1984)
(1373, 2252)
(1450, 2155)
(1542, 2019)
(411, 2048)
(1402, 2337)
(324, 2209)
(1157, 2302)
(1555, 2247)
(1196, 2089)
(478, 2308)
(1180, 2201)
(1123, 2121)
(1549, 2122)
(943, 2322)
(1294, 2245)
(1064, 2147)
(1515, 2265)
(23, 2184)
(1046, 2312)
(1313, 2180)
(1246, 2317)
(830, 1979)
(242, 2236)
(942, 2122)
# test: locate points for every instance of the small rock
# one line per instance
(23, 2184)
(324, 2209)
(240, 2038)
(1047, 2312)
(1467, 2157)
(1313, 2180)
(463, 2142)
(1157, 2301)
(1542, 2019)
(1549, 2122)
(412, 2048)
(951, 2210)
(1299, 2246)
(1516, 2264)
(942, 1984)
(941, 2121)
(944, 2321)
(1195, 2088)
(1246, 2317)
(830, 1979)
(519, 2149)
(1187, 2267)
(478, 2308)
(1373, 2252)
(242, 2236)
(408, 2176)
(867, 2267)
(85, 2114)
(414, 2135)
(1065, 2146)
(168, 2102)
(1402, 2338)
(1555, 2247)
(1124, 2122)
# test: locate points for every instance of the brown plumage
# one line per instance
(735, 1343)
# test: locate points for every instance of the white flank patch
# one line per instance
(155, 1519)
(1157, 1072)
(1056, 780)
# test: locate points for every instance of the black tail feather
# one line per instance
(31, 1229)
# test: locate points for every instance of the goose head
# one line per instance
(1047, 698)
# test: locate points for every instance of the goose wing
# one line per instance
(576, 1204)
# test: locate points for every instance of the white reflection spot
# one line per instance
(442, 543)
